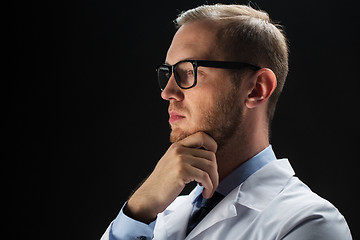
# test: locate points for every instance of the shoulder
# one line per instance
(304, 213)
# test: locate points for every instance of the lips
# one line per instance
(175, 117)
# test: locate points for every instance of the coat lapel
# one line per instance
(176, 217)
(224, 210)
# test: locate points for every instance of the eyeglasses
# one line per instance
(185, 71)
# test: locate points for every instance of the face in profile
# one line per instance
(212, 106)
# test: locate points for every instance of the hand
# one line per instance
(183, 163)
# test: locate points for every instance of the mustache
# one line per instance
(178, 108)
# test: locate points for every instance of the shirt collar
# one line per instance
(240, 174)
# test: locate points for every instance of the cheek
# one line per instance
(203, 99)
(200, 105)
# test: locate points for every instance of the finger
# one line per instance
(203, 178)
(201, 153)
(199, 140)
(203, 160)
(210, 167)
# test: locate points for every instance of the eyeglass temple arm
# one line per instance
(226, 65)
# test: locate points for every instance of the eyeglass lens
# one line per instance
(184, 75)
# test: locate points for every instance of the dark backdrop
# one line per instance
(84, 121)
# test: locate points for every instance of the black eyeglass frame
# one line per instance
(204, 63)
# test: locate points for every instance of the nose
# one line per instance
(172, 91)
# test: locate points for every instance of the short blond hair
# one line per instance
(246, 34)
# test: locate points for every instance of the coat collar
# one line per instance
(254, 193)
(264, 185)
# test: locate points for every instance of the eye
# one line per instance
(190, 72)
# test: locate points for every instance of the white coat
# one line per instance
(270, 204)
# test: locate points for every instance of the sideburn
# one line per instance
(223, 120)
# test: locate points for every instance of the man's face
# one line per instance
(214, 105)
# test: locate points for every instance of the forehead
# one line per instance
(196, 40)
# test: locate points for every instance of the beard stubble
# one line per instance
(220, 121)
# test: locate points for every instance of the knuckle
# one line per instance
(212, 165)
(181, 171)
(216, 145)
(179, 161)
(174, 145)
(177, 149)
(204, 175)
(212, 157)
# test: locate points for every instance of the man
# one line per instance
(224, 71)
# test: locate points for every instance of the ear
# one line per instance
(263, 85)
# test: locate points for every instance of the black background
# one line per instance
(84, 121)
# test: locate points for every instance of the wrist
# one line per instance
(139, 212)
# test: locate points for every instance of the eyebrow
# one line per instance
(167, 63)
(190, 58)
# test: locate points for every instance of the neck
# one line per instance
(248, 140)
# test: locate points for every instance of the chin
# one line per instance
(178, 134)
